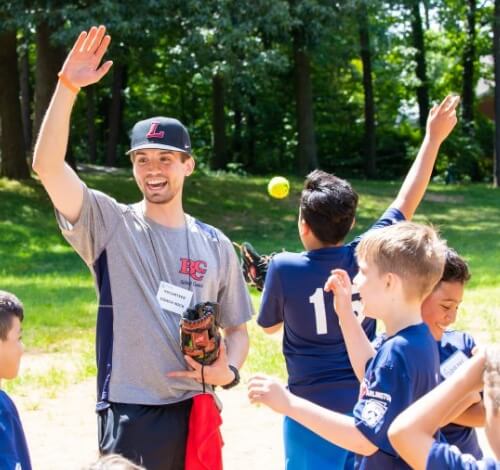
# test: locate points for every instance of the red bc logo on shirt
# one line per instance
(196, 269)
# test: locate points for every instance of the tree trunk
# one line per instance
(116, 113)
(496, 54)
(220, 158)
(251, 132)
(369, 140)
(70, 155)
(91, 128)
(307, 153)
(426, 12)
(468, 64)
(26, 92)
(237, 134)
(14, 164)
(49, 59)
(421, 69)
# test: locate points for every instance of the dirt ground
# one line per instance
(61, 432)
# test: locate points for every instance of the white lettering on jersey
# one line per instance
(357, 306)
(318, 301)
(380, 395)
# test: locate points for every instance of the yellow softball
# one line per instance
(278, 187)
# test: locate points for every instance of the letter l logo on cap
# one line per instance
(153, 134)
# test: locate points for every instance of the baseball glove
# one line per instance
(200, 333)
(253, 265)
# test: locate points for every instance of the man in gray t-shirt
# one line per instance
(151, 261)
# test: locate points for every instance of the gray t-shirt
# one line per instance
(129, 255)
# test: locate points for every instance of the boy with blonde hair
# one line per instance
(398, 267)
(293, 299)
(14, 453)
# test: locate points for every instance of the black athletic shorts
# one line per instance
(152, 436)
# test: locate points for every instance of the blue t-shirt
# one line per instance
(455, 348)
(405, 367)
(316, 358)
(447, 457)
(14, 453)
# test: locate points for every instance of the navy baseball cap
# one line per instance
(160, 133)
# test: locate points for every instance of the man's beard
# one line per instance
(159, 199)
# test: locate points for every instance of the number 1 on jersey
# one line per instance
(318, 300)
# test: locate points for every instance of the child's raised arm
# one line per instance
(411, 433)
(440, 122)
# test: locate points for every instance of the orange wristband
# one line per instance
(64, 80)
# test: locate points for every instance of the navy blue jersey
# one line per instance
(14, 453)
(405, 367)
(447, 457)
(455, 348)
(315, 353)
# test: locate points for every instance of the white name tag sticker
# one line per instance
(173, 298)
(453, 363)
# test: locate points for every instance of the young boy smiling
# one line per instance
(439, 312)
(398, 267)
(14, 453)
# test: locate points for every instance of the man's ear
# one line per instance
(353, 222)
(190, 166)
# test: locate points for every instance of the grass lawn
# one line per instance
(58, 292)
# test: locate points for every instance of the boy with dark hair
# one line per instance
(439, 311)
(328, 206)
(14, 453)
(316, 357)
(398, 267)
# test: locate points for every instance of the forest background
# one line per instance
(263, 86)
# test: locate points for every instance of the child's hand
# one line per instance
(340, 284)
(270, 392)
(442, 119)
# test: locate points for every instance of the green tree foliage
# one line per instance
(266, 87)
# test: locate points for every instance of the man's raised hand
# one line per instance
(81, 67)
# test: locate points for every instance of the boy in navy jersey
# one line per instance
(412, 432)
(398, 267)
(14, 453)
(314, 349)
(439, 311)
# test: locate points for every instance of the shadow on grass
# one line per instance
(39, 266)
